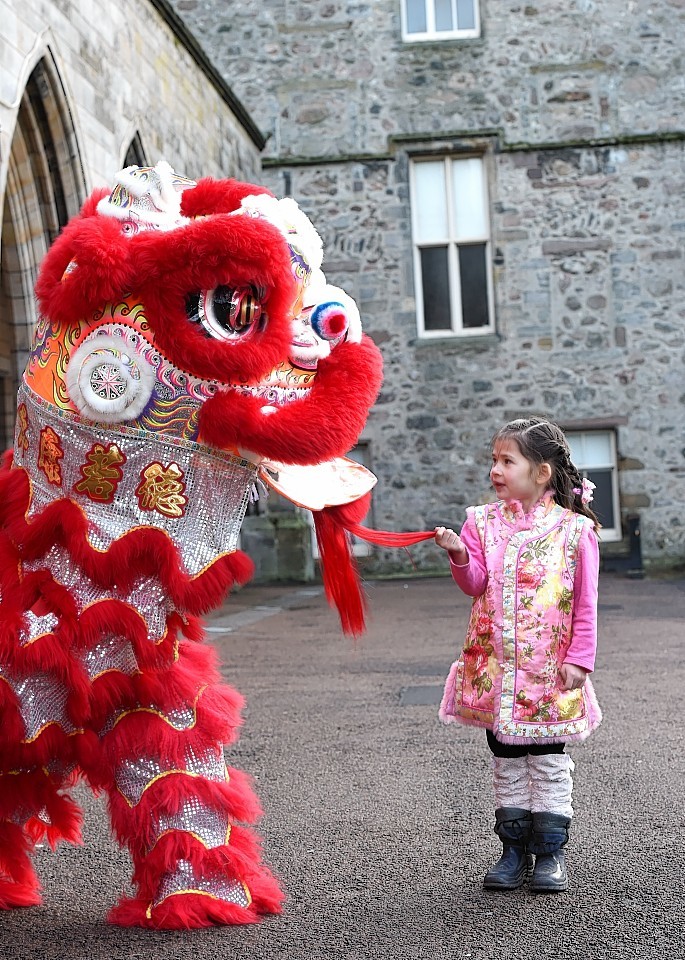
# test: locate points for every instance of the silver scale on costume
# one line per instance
(147, 595)
(185, 878)
(42, 700)
(133, 776)
(211, 826)
(182, 718)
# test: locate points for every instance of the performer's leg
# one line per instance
(36, 763)
(513, 820)
(178, 809)
(31, 808)
(552, 790)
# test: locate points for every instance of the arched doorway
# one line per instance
(135, 154)
(45, 187)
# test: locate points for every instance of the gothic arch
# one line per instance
(45, 187)
(135, 152)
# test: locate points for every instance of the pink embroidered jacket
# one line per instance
(534, 582)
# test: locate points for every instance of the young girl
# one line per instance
(531, 562)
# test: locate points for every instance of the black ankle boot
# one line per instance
(550, 836)
(513, 826)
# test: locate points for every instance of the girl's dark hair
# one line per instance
(542, 441)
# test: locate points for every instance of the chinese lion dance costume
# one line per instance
(188, 344)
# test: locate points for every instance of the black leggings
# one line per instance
(521, 750)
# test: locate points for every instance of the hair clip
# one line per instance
(585, 491)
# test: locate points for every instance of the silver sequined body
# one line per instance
(210, 490)
(215, 485)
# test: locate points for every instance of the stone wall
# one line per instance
(330, 77)
(123, 70)
(578, 107)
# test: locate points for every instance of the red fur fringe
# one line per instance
(185, 911)
(136, 826)
(139, 553)
(217, 196)
(14, 895)
(36, 791)
(239, 859)
(15, 850)
(324, 423)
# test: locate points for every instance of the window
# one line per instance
(451, 234)
(594, 453)
(440, 19)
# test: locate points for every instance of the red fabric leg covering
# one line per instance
(176, 807)
(19, 885)
(31, 807)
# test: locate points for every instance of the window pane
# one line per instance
(436, 289)
(474, 288)
(431, 205)
(469, 199)
(443, 15)
(597, 449)
(416, 16)
(575, 442)
(466, 14)
(603, 502)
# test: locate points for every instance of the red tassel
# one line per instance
(339, 570)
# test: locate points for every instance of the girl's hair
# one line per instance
(542, 441)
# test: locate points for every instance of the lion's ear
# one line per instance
(217, 196)
(89, 264)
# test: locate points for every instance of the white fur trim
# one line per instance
(163, 189)
(293, 223)
(132, 380)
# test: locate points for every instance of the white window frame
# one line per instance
(457, 329)
(607, 534)
(431, 33)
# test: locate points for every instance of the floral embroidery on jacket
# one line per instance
(519, 632)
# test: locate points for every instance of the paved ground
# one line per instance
(378, 818)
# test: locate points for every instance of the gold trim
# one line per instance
(159, 713)
(201, 893)
(192, 833)
(168, 773)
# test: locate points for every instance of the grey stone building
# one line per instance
(86, 89)
(500, 186)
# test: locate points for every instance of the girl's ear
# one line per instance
(544, 473)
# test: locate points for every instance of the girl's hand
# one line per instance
(572, 677)
(452, 542)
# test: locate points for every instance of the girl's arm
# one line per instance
(468, 568)
(583, 646)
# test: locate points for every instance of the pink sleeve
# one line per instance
(471, 577)
(584, 628)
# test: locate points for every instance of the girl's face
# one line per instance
(514, 477)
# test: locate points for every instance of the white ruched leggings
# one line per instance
(540, 783)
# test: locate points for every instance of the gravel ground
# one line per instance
(379, 819)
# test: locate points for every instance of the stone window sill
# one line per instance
(459, 343)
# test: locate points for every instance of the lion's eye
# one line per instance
(227, 313)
